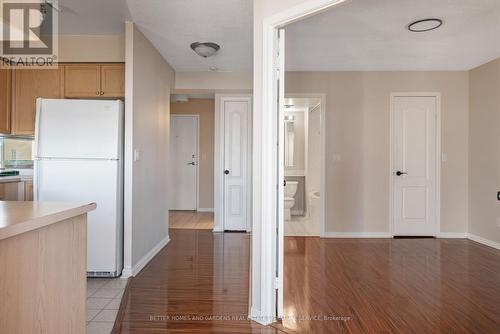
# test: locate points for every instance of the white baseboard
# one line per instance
(484, 241)
(205, 210)
(356, 235)
(128, 272)
(452, 235)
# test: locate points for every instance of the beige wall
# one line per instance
(205, 108)
(79, 48)
(149, 80)
(484, 148)
(358, 129)
(213, 81)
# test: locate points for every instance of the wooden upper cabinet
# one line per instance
(113, 80)
(30, 85)
(94, 80)
(5, 100)
(82, 80)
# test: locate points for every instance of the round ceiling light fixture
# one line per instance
(205, 49)
(425, 25)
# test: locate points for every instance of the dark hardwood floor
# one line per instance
(199, 283)
(391, 286)
(331, 286)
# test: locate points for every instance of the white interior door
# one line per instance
(183, 162)
(236, 114)
(415, 145)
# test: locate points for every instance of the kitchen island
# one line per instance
(43, 261)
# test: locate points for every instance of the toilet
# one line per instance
(290, 190)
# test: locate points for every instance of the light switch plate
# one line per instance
(498, 222)
(137, 155)
(336, 157)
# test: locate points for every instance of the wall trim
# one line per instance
(358, 235)
(205, 210)
(483, 241)
(452, 235)
(128, 272)
(265, 267)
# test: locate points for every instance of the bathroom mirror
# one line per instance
(289, 143)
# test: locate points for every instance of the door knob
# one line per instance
(191, 163)
(399, 173)
(226, 172)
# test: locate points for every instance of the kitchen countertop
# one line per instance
(21, 217)
(10, 179)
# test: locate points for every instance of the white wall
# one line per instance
(313, 178)
(149, 80)
(484, 147)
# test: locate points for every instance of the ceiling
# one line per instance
(93, 17)
(174, 24)
(372, 35)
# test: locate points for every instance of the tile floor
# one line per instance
(300, 227)
(103, 301)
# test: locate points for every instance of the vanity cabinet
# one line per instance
(5, 100)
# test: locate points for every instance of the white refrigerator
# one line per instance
(78, 157)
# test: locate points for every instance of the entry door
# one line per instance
(235, 164)
(415, 165)
(183, 162)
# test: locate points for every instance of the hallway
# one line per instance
(199, 283)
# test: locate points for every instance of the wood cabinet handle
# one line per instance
(102, 93)
(97, 93)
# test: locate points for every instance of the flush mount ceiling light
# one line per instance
(205, 49)
(425, 25)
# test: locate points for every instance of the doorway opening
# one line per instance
(191, 186)
(303, 207)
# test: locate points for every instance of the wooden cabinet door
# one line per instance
(30, 85)
(113, 80)
(82, 80)
(28, 191)
(5, 100)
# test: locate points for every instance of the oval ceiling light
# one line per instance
(425, 25)
(205, 49)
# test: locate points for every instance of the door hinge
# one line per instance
(276, 283)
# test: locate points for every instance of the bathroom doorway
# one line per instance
(303, 205)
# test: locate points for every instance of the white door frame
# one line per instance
(322, 97)
(219, 159)
(265, 192)
(197, 161)
(438, 156)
